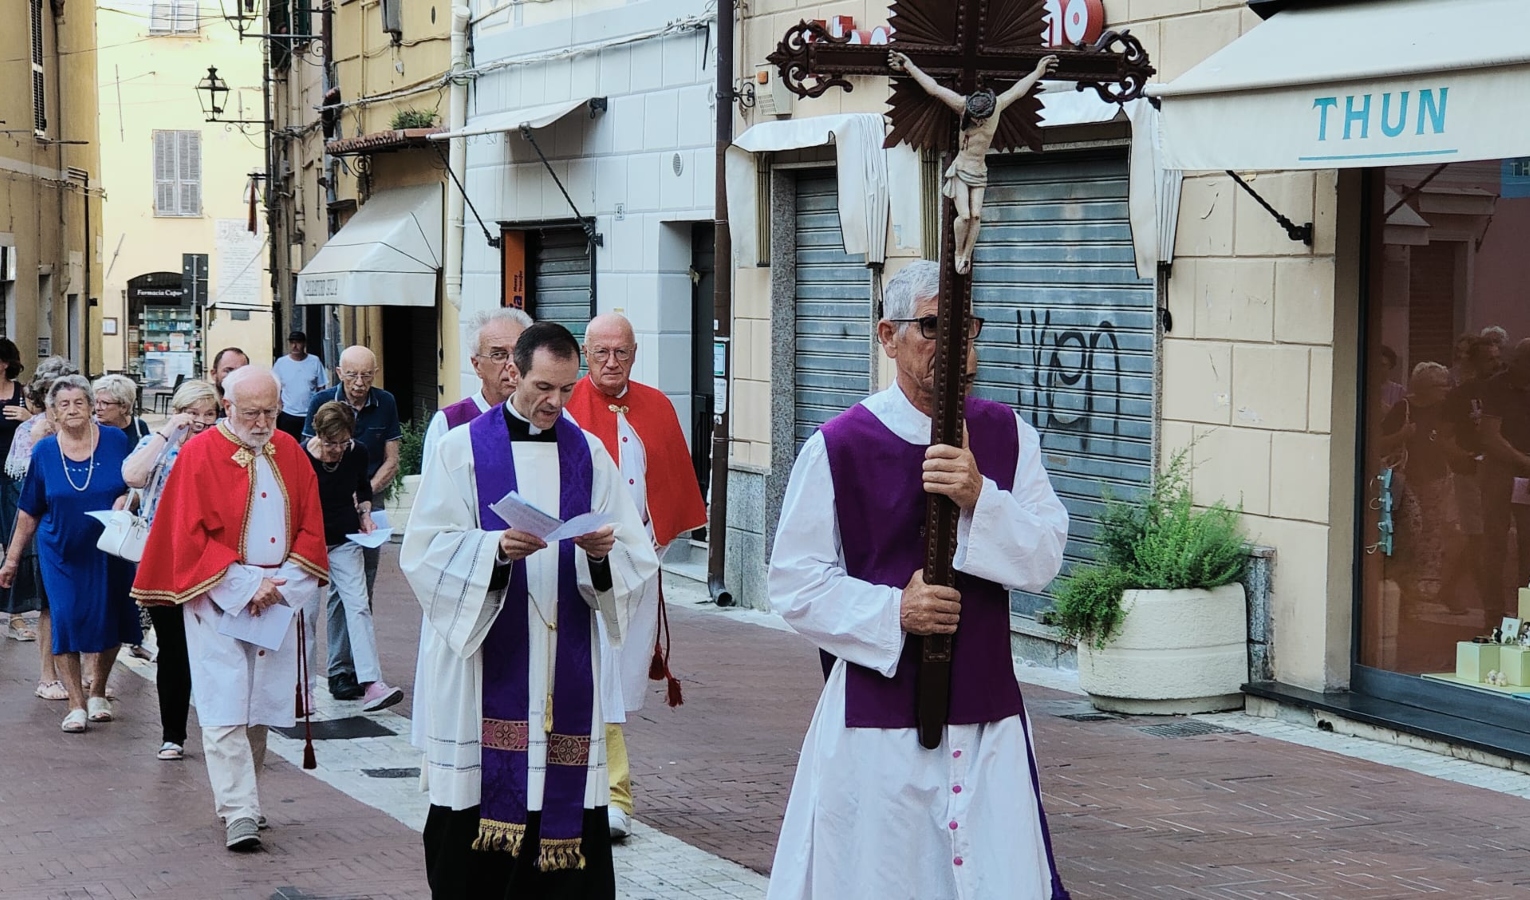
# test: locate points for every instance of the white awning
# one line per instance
(865, 172)
(861, 164)
(1394, 82)
(513, 119)
(388, 254)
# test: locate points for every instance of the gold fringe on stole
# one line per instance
(503, 837)
(563, 853)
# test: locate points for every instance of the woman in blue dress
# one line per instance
(77, 470)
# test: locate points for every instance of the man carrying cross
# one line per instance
(872, 814)
(966, 179)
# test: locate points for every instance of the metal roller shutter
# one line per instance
(1070, 329)
(833, 333)
(562, 280)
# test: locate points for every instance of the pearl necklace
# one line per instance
(64, 461)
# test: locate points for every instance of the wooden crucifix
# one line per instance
(964, 81)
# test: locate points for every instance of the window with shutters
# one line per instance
(39, 95)
(173, 17)
(177, 173)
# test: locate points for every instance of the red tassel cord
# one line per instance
(658, 667)
(310, 760)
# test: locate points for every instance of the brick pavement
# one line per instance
(1223, 815)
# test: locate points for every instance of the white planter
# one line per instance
(400, 505)
(1177, 652)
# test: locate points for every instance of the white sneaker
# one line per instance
(621, 823)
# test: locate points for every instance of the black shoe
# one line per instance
(344, 687)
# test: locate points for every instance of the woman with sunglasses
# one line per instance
(345, 495)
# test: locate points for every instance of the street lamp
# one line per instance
(213, 92)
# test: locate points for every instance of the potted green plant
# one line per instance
(413, 118)
(1159, 616)
(399, 495)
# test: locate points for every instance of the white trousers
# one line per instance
(235, 756)
(347, 572)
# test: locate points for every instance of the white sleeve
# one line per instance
(632, 561)
(447, 559)
(433, 433)
(237, 587)
(1015, 537)
(850, 618)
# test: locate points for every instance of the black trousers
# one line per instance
(293, 425)
(458, 872)
(174, 679)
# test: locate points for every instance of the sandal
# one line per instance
(74, 723)
(170, 751)
(100, 709)
(51, 690)
(19, 630)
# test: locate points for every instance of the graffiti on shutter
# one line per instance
(1069, 332)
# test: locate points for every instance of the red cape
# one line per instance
(674, 498)
(198, 528)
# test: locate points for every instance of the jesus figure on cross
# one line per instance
(966, 179)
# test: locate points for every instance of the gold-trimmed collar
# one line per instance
(243, 455)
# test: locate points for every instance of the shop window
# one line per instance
(1446, 512)
(173, 17)
(177, 173)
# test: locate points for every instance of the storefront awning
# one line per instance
(388, 254)
(1347, 85)
(865, 172)
(514, 119)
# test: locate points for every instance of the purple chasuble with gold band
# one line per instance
(879, 499)
(507, 659)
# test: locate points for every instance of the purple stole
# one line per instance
(461, 413)
(506, 661)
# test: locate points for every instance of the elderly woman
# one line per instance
(28, 582)
(345, 495)
(77, 470)
(13, 411)
(116, 402)
(193, 409)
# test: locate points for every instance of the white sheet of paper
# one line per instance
(101, 515)
(377, 538)
(380, 519)
(579, 525)
(523, 516)
(266, 630)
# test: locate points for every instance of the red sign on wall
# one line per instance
(1069, 22)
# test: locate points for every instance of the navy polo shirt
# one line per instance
(376, 422)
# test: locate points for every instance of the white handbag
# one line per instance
(124, 535)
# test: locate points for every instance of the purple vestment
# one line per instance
(880, 501)
(461, 412)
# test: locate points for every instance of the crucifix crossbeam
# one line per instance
(965, 76)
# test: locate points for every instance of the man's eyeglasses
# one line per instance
(358, 377)
(929, 326)
(497, 356)
(255, 415)
(601, 354)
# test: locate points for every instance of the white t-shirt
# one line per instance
(300, 381)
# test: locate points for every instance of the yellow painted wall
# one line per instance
(147, 84)
(43, 193)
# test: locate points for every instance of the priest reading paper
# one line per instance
(515, 741)
(873, 815)
(238, 543)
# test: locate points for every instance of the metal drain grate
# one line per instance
(391, 773)
(1184, 728)
(1088, 716)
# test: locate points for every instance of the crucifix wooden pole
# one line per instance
(967, 63)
